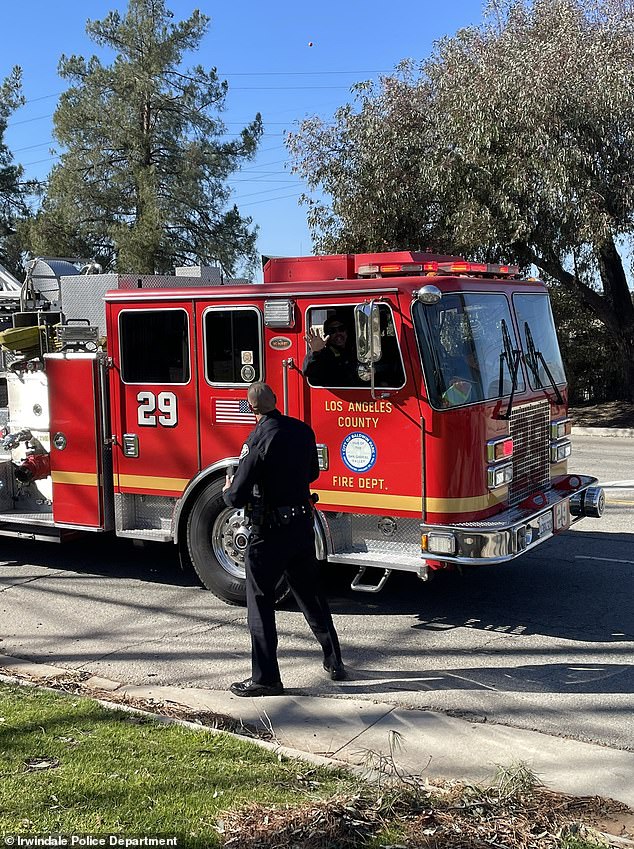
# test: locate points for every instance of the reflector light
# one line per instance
(367, 269)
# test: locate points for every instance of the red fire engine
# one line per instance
(127, 404)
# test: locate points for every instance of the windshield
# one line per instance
(537, 331)
(462, 342)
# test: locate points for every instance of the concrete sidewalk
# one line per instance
(344, 731)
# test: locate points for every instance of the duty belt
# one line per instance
(284, 515)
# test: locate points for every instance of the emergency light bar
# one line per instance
(396, 268)
(433, 267)
(478, 268)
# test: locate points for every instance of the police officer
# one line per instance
(277, 464)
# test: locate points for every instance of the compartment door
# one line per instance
(76, 440)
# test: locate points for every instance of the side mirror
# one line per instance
(367, 325)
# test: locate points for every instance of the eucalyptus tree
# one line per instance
(141, 183)
(514, 140)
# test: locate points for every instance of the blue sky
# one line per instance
(262, 50)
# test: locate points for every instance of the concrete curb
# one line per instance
(627, 432)
(271, 746)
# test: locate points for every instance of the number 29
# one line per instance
(164, 403)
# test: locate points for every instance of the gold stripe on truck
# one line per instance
(363, 499)
(466, 505)
(150, 482)
(411, 502)
(77, 478)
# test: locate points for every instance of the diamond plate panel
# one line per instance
(83, 295)
(143, 512)
(382, 535)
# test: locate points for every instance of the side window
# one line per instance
(233, 346)
(154, 346)
(331, 359)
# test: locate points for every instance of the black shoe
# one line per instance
(337, 671)
(250, 688)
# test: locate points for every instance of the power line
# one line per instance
(271, 200)
(250, 74)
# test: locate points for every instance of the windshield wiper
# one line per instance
(533, 358)
(511, 356)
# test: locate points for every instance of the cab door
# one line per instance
(373, 444)
(155, 405)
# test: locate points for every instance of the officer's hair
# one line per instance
(261, 398)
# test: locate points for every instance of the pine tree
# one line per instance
(13, 192)
(141, 183)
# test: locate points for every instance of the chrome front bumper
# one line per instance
(519, 529)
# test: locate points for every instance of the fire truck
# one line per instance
(449, 448)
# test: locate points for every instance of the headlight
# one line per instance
(560, 450)
(499, 475)
(438, 543)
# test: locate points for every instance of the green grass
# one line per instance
(122, 774)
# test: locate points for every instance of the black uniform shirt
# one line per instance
(331, 367)
(280, 457)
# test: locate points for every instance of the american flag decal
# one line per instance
(233, 411)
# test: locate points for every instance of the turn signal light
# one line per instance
(560, 428)
(499, 449)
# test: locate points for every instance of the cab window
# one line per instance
(331, 358)
(233, 346)
(468, 345)
(539, 340)
(154, 346)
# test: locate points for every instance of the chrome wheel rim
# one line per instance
(229, 539)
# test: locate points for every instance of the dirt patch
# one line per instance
(442, 816)
(609, 414)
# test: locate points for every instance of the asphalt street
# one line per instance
(545, 642)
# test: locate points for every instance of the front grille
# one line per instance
(531, 450)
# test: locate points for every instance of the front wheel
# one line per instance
(217, 539)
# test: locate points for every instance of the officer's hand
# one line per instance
(228, 482)
(315, 340)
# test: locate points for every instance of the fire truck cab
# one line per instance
(446, 443)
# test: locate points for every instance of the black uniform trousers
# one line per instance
(287, 551)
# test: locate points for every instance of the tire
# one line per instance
(217, 538)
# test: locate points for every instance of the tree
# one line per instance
(141, 184)
(514, 140)
(13, 204)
